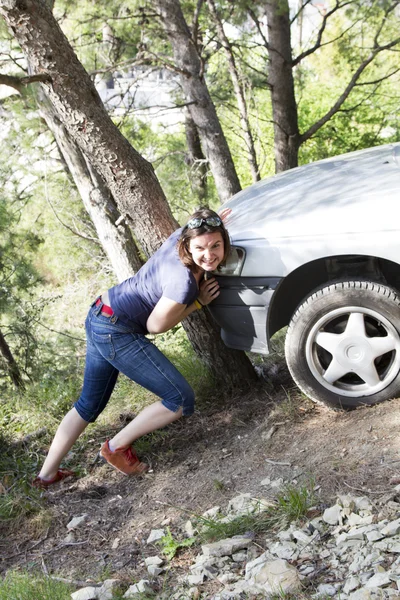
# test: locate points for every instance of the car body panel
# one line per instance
(241, 311)
(345, 205)
(327, 208)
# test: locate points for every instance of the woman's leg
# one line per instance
(98, 383)
(149, 419)
(67, 433)
(144, 363)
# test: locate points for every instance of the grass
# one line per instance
(24, 586)
(17, 468)
(291, 504)
(44, 403)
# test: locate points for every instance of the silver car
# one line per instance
(317, 248)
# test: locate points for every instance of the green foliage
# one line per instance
(18, 498)
(170, 545)
(25, 586)
(291, 504)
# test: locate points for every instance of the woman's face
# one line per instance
(207, 250)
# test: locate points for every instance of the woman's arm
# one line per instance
(168, 313)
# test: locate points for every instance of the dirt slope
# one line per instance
(229, 447)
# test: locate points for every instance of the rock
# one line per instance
(363, 503)
(138, 589)
(277, 483)
(154, 571)
(266, 481)
(86, 593)
(378, 580)
(189, 528)
(226, 547)
(354, 519)
(280, 577)
(115, 543)
(346, 501)
(242, 504)
(302, 537)
(374, 535)
(239, 557)
(155, 535)
(77, 522)
(287, 550)
(352, 583)
(367, 594)
(390, 545)
(392, 528)
(108, 589)
(326, 589)
(153, 560)
(332, 515)
(212, 512)
(195, 579)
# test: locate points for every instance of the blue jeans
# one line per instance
(112, 347)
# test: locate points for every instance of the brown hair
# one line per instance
(188, 234)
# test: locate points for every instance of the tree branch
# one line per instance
(352, 83)
(195, 24)
(302, 7)
(19, 82)
(257, 24)
(320, 33)
(81, 235)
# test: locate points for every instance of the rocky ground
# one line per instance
(250, 444)
(351, 551)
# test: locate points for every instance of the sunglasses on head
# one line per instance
(198, 222)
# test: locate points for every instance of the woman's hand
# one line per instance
(209, 290)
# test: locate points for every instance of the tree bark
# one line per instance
(116, 239)
(202, 109)
(239, 93)
(129, 177)
(280, 78)
(195, 159)
(12, 367)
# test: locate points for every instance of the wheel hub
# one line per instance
(353, 351)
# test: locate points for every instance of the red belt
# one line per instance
(105, 310)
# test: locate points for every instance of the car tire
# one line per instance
(343, 344)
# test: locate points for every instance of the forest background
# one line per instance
(254, 88)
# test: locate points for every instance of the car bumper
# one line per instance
(241, 310)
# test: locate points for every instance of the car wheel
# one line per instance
(343, 344)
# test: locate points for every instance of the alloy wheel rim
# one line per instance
(354, 351)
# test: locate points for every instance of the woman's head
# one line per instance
(204, 241)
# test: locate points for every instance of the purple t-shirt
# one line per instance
(162, 275)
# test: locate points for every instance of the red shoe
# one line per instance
(59, 476)
(123, 459)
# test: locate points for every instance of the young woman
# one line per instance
(168, 288)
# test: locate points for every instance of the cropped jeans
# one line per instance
(112, 347)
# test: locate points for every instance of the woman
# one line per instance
(168, 288)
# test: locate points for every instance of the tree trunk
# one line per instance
(195, 159)
(202, 109)
(239, 93)
(204, 335)
(12, 367)
(129, 177)
(116, 240)
(280, 78)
